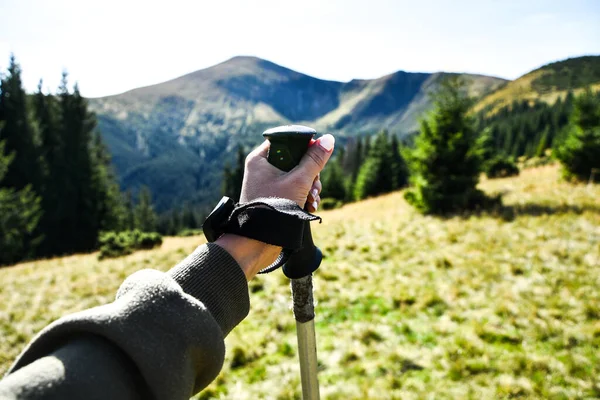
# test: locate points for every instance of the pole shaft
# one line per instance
(302, 293)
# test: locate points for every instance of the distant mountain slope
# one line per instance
(176, 136)
(547, 83)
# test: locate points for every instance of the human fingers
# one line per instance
(315, 190)
(316, 157)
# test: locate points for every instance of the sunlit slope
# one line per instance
(547, 83)
(408, 306)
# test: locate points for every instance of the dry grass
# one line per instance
(488, 306)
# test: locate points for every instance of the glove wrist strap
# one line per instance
(274, 221)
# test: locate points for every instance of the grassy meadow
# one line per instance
(489, 306)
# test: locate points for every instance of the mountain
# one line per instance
(176, 136)
(547, 83)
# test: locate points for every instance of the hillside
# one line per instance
(408, 306)
(175, 136)
(547, 83)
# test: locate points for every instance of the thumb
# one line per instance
(316, 156)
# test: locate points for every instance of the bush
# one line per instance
(189, 232)
(500, 167)
(333, 181)
(117, 244)
(330, 204)
(150, 240)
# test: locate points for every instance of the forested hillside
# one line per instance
(547, 84)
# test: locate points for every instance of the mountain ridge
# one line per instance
(295, 96)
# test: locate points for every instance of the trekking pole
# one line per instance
(288, 145)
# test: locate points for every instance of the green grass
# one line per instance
(483, 306)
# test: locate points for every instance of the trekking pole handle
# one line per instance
(288, 145)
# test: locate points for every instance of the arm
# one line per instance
(161, 338)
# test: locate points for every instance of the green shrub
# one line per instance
(189, 232)
(330, 204)
(150, 240)
(117, 244)
(500, 167)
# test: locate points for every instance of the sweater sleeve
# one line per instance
(162, 338)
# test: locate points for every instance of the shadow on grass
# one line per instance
(482, 204)
(492, 207)
(511, 212)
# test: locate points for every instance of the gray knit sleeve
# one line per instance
(164, 331)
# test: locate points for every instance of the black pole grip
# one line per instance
(288, 144)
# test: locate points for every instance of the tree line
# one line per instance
(526, 128)
(58, 191)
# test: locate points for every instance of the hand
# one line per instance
(301, 184)
(261, 179)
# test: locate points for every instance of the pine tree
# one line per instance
(47, 115)
(20, 212)
(81, 218)
(129, 207)
(332, 179)
(398, 166)
(227, 180)
(445, 163)
(18, 132)
(145, 218)
(233, 177)
(543, 143)
(189, 218)
(21, 171)
(107, 198)
(177, 221)
(579, 152)
(383, 170)
(366, 149)
(366, 181)
(353, 158)
(486, 145)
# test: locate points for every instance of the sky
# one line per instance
(111, 46)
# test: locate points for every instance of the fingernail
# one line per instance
(315, 205)
(327, 142)
(314, 193)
